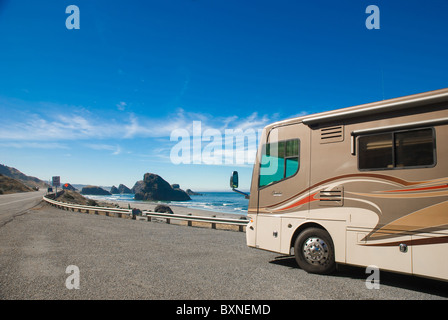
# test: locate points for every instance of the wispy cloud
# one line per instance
(57, 127)
(254, 121)
(35, 145)
(121, 105)
(115, 149)
(120, 133)
(65, 123)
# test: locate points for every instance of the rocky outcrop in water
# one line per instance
(192, 193)
(155, 188)
(120, 190)
(123, 189)
(94, 190)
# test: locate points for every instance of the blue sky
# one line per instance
(97, 105)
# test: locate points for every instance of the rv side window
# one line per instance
(279, 160)
(397, 150)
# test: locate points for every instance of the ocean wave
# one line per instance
(224, 202)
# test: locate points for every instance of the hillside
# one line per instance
(19, 176)
(74, 197)
(10, 185)
(70, 196)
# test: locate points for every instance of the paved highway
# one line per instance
(128, 259)
(15, 204)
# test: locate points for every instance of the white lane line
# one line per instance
(3, 204)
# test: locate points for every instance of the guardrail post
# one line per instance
(241, 228)
(189, 222)
(214, 224)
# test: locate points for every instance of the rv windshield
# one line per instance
(279, 160)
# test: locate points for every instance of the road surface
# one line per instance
(129, 259)
(15, 204)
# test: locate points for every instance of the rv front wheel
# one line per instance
(314, 251)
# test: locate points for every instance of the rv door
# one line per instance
(283, 181)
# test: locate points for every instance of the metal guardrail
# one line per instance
(190, 219)
(117, 211)
(148, 215)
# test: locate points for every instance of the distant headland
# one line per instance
(152, 188)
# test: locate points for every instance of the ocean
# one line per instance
(225, 202)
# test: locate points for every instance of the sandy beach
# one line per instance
(181, 210)
(150, 206)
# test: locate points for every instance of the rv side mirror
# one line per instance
(234, 180)
(234, 184)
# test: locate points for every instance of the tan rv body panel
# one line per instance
(370, 213)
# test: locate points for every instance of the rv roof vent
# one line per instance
(332, 134)
(332, 197)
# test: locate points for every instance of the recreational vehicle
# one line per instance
(364, 185)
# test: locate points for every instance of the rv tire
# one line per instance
(314, 251)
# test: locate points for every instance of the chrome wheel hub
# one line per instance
(315, 250)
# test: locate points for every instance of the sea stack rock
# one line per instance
(94, 190)
(192, 193)
(155, 188)
(120, 190)
(123, 189)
